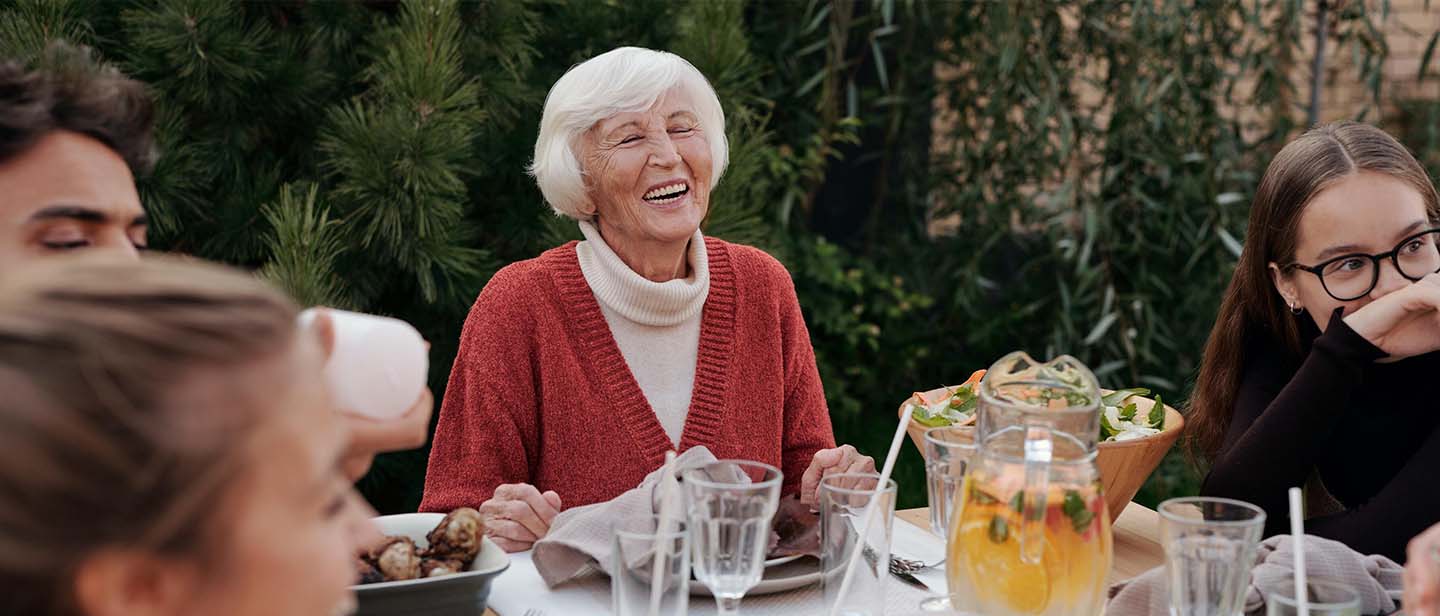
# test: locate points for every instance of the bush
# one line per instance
(1095, 159)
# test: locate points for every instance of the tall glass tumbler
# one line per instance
(730, 503)
(948, 450)
(844, 499)
(1209, 550)
(633, 580)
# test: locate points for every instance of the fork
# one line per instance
(534, 612)
(906, 565)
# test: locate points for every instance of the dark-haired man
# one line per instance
(70, 146)
(73, 136)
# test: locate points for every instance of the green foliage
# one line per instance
(1054, 176)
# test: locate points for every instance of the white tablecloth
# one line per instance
(520, 588)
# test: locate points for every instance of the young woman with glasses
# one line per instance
(1321, 368)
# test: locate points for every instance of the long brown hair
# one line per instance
(102, 444)
(1252, 310)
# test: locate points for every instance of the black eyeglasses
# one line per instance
(1353, 276)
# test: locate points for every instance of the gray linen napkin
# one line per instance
(1376, 578)
(581, 540)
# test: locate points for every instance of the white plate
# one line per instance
(795, 572)
(775, 562)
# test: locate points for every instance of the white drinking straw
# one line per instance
(1297, 532)
(659, 565)
(870, 508)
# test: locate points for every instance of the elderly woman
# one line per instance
(580, 368)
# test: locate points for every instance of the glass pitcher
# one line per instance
(999, 517)
(1033, 532)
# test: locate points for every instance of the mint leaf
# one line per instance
(999, 530)
(1018, 502)
(1128, 413)
(1082, 521)
(967, 407)
(979, 497)
(1074, 508)
(1073, 504)
(1157, 413)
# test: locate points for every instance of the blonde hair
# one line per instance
(622, 80)
(96, 448)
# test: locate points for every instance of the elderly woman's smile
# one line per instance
(647, 178)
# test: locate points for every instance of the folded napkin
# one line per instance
(1377, 579)
(581, 540)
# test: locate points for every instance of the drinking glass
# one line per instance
(844, 501)
(1326, 598)
(948, 450)
(730, 503)
(633, 577)
(1209, 551)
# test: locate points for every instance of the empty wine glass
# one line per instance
(730, 503)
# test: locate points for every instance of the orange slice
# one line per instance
(999, 576)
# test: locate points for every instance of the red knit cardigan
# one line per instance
(540, 393)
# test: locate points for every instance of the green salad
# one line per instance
(1120, 418)
(957, 408)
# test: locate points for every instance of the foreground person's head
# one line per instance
(166, 447)
(1343, 216)
(73, 136)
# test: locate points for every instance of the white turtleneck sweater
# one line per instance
(655, 324)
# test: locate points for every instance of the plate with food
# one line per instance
(430, 563)
(792, 556)
(1135, 431)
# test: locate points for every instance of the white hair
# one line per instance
(622, 80)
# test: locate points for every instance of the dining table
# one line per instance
(1136, 532)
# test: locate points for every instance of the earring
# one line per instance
(1296, 309)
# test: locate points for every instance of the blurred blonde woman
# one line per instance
(166, 447)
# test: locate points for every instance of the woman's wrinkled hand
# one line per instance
(1403, 323)
(369, 437)
(518, 515)
(1422, 574)
(842, 459)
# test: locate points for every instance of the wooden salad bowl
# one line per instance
(1124, 465)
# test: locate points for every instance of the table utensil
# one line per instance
(1209, 550)
(909, 579)
(906, 565)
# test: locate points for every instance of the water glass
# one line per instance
(1209, 551)
(730, 503)
(844, 500)
(633, 582)
(1326, 598)
(948, 450)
